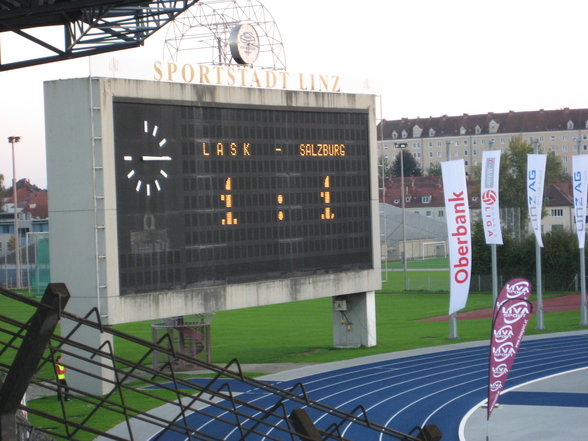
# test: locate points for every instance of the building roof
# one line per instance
(485, 124)
(420, 192)
(31, 199)
(427, 192)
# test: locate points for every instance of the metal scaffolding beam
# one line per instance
(90, 27)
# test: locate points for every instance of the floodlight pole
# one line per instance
(540, 326)
(402, 146)
(583, 312)
(12, 140)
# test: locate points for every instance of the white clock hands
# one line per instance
(148, 177)
(156, 158)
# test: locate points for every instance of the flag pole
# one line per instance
(539, 326)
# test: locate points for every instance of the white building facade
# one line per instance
(435, 139)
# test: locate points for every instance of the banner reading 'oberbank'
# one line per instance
(458, 232)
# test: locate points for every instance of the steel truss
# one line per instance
(89, 27)
(201, 35)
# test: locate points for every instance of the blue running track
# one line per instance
(437, 388)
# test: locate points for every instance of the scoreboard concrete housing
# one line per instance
(182, 227)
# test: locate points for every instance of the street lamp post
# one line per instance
(402, 146)
(12, 140)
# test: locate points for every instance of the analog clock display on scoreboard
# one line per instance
(215, 194)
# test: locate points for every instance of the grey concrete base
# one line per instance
(354, 320)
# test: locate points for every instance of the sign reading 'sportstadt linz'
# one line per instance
(244, 77)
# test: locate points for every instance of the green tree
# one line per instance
(434, 169)
(513, 174)
(409, 164)
(384, 167)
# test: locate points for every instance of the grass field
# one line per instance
(435, 262)
(302, 332)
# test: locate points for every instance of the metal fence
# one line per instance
(29, 346)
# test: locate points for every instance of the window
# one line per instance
(557, 212)
(474, 142)
(564, 138)
(428, 213)
(396, 201)
(474, 152)
(394, 134)
(553, 137)
(502, 141)
(426, 199)
(570, 125)
(440, 213)
(439, 155)
(465, 152)
(557, 227)
(483, 141)
(541, 139)
(430, 144)
(430, 154)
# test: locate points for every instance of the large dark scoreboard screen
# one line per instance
(221, 194)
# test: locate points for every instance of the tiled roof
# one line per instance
(31, 199)
(509, 122)
(420, 192)
(427, 191)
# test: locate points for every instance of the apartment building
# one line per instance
(435, 139)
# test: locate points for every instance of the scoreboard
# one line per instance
(185, 198)
(220, 194)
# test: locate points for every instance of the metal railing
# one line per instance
(215, 400)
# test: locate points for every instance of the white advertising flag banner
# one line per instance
(458, 232)
(489, 197)
(535, 182)
(580, 185)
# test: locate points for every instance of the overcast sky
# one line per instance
(422, 57)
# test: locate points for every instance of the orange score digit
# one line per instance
(280, 201)
(326, 196)
(227, 198)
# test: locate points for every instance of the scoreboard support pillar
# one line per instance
(94, 374)
(354, 320)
